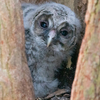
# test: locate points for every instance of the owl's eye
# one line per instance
(64, 32)
(44, 24)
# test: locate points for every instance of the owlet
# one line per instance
(52, 31)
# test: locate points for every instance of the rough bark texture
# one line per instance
(86, 84)
(69, 3)
(15, 78)
(80, 7)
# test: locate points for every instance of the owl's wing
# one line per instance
(29, 46)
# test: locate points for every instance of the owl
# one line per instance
(52, 31)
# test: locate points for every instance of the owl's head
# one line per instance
(56, 24)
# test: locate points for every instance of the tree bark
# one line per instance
(15, 78)
(86, 84)
(80, 7)
(69, 3)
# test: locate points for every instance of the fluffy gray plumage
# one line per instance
(51, 31)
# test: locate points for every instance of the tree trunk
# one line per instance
(86, 84)
(15, 78)
(80, 7)
(69, 3)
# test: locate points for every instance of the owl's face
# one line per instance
(56, 27)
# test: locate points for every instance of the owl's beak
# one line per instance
(51, 36)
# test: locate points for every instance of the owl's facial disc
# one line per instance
(51, 35)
